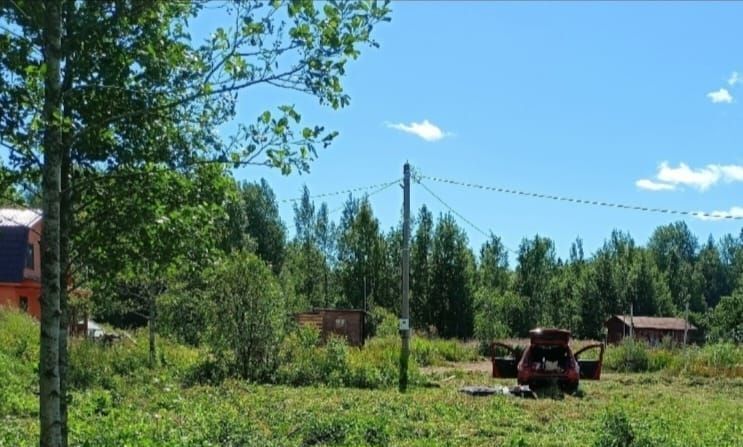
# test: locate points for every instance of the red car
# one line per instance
(548, 359)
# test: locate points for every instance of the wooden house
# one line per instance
(650, 329)
(349, 323)
(20, 259)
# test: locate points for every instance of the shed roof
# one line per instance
(15, 217)
(662, 323)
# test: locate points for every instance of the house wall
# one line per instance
(11, 293)
(34, 238)
(30, 288)
(346, 323)
(615, 330)
(655, 336)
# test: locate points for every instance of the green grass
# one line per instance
(121, 402)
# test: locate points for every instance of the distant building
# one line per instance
(650, 329)
(20, 259)
(349, 323)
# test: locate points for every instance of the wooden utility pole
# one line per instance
(405, 310)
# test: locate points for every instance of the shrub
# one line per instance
(384, 323)
(246, 315)
(305, 360)
(713, 360)
(629, 356)
(726, 320)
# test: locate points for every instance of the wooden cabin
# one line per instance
(348, 323)
(650, 329)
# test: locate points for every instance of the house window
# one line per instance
(340, 323)
(30, 257)
(23, 304)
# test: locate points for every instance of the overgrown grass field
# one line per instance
(118, 401)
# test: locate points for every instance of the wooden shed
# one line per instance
(349, 323)
(650, 329)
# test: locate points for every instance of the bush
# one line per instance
(246, 316)
(95, 364)
(384, 323)
(629, 356)
(726, 320)
(305, 360)
(713, 360)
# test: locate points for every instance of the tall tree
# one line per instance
(121, 82)
(452, 279)
(313, 263)
(420, 274)
(326, 240)
(361, 256)
(493, 272)
(263, 223)
(674, 249)
(536, 265)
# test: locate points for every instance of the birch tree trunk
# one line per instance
(49, 392)
(64, 259)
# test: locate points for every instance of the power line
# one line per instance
(382, 187)
(714, 215)
(458, 214)
(376, 191)
(453, 211)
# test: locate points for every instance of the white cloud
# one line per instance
(732, 173)
(721, 95)
(669, 177)
(425, 129)
(736, 211)
(650, 185)
(700, 179)
(735, 78)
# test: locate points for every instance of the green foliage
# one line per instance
(726, 321)
(615, 430)
(437, 351)
(254, 223)
(19, 351)
(95, 364)
(385, 323)
(246, 315)
(713, 360)
(452, 280)
(306, 360)
(499, 315)
(629, 356)
(149, 407)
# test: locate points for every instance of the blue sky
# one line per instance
(632, 102)
(627, 102)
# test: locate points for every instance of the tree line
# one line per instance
(353, 262)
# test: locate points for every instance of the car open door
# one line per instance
(590, 369)
(504, 367)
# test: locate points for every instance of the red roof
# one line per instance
(661, 323)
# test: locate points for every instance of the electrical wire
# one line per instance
(346, 191)
(714, 215)
(376, 191)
